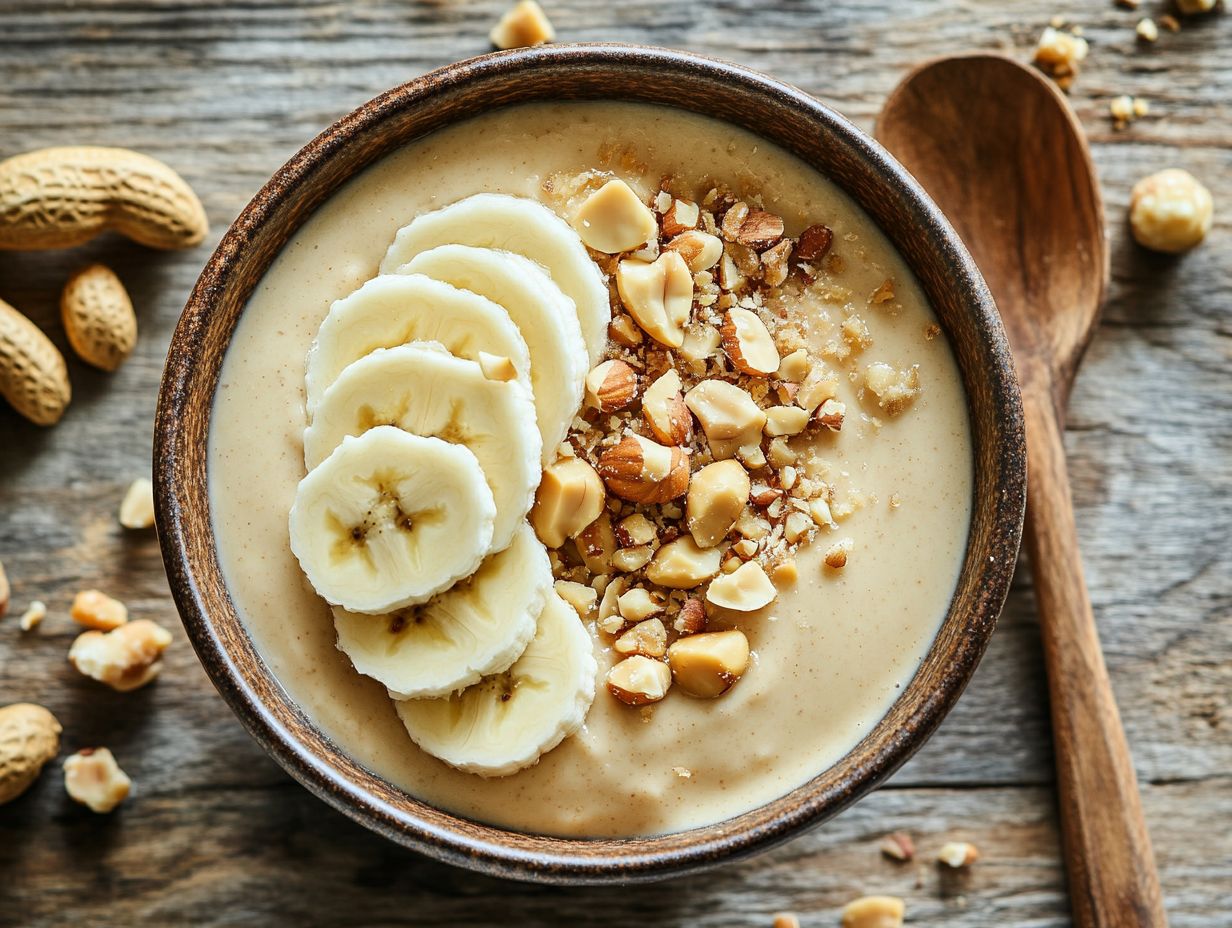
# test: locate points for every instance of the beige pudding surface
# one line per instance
(830, 655)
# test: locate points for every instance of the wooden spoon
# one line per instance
(997, 146)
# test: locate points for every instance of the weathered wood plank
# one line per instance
(216, 834)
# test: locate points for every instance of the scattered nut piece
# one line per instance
(1059, 54)
(680, 217)
(774, 262)
(717, 496)
(898, 846)
(523, 26)
(830, 415)
(785, 573)
(759, 230)
(1125, 109)
(638, 604)
(691, 619)
(497, 367)
(707, 665)
(578, 595)
(1170, 22)
(747, 589)
(627, 560)
(610, 620)
(93, 778)
(733, 220)
(29, 737)
(957, 854)
(624, 331)
(1147, 30)
(874, 912)
(786, 920)
(611, 386)
(1170, 211)
(642, 471)
(814, 244)
(98, 610)
(639, 680)
(636, 530)
(836, 554)
(614, 219)
(884, 292)
(648, 638)
(137, 508)
(665, 411)
(700, 250)
(785, 420)
(748, 343)
(700, 343)
(895, 389)
(596, 544)
(683, 565)
(126, 658)
(33, 375)
(819, 385)
(728, 415)
(570, 497)
(33, 617)
(1192, 7)
(797, 526)
(658, 295)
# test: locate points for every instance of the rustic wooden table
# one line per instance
(217, 834)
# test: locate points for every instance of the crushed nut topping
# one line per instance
(706, 422)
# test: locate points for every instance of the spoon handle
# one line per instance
(1112, 878)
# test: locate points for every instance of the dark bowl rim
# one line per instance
(564, 860)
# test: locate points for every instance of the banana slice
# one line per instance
(479, 626)
(423, 389)
(506, 721)
(393, 310)
(546, 317)
(525, 227)
(390, 519)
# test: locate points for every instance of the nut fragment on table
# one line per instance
(33, 617)
(639, 680)
(1125, 109)
(97, 610)
(614, 219)
(93, 778)
(1147, 30)
(874, 912)
(137, 508)
(126, 658)
(29, 737)
(1192, 7)
(786, 920)
(1170, 211)
(898, 846)
(707, 665)
(570, 497)
(522, 26)
(1059, 55)
(746, 589)
(957, 854)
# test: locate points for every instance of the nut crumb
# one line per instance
(836, 554)
(874, 912)
(957, 854)
(98, 610)
(137, 508)
(93, 778)
(1059, 54)
(786, 920)
(126, 658)
(1147, 30)
(33, 617)
(683, 772)
(522, 26)
(898, 846)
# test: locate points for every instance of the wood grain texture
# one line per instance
(216, 834)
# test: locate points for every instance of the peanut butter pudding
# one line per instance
(591, 469)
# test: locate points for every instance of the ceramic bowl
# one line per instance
(773, 110)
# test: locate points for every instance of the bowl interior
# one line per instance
(779, 113)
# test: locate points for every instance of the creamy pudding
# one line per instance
(873, 577)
